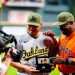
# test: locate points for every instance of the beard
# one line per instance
(66, 32)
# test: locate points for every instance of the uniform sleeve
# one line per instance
(19, 42)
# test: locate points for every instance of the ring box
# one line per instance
(43, 64)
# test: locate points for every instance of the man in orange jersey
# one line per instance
(67, 42)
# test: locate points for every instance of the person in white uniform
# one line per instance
(35, 43)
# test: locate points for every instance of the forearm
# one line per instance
(20, 66)
(24, 68)
(70, 61)
(66, 61)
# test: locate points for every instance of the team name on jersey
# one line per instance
(65, 50)
(35, 52)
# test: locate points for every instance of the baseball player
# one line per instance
(34, 43)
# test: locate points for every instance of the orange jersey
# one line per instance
(67, 49)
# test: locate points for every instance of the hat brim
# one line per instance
(58, 23)
(34, 24)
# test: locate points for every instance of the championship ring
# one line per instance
(43, 64)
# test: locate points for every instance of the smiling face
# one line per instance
(33, 30)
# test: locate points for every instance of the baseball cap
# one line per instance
(63, 18)
(34, 19)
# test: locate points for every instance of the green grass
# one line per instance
(11, 71)
(55, 72)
